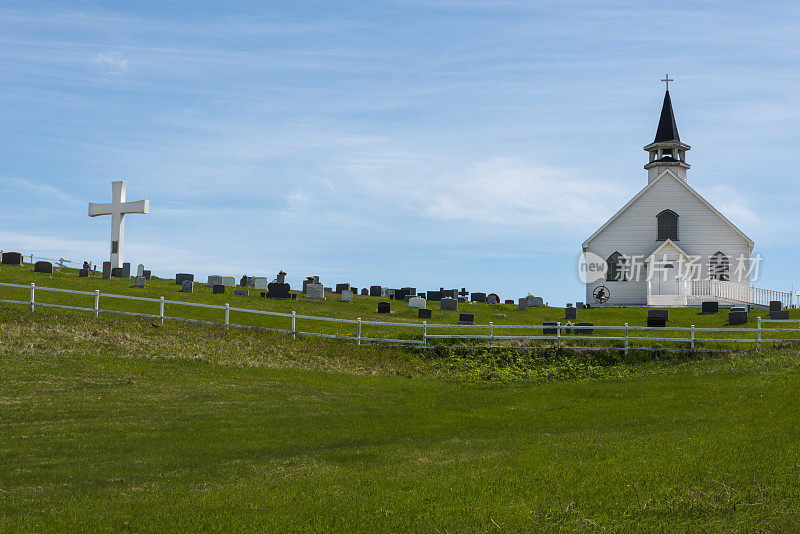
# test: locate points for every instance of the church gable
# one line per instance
(648, 219)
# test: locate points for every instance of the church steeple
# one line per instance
(666, 150)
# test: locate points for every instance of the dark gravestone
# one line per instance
(83, 273)
(466, 318)
(410, 291)
(579, 305)
(509, 301)
(106, 270)
(550, 329)
(737, 315)
(44, 267)
(657, 318)
(308, 280)
(493, 298)
(584, 329)
(187, 286)
(12, 258)
(780, 315)
(126, 270)
(570, 313)
(242, 292)
(449, 293)
(180, 278)
(218, 289)
(710, 306)
(384, 307)
(400, 294)
(463, 293)
(374, 291)
(244, 281)
(147, 274)
(434, 295)
(478, 297)
(341, 287)
(278, 291)
(365, 292)
(775, 305)
(423, 313)
(328, 290)
(354, 290)
(116, 272)
(523, 304)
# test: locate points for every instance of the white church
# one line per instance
(669, 246)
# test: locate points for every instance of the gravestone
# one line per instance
(139, 282)
(43, 267)
(214, 280)
(779, 315)
(549, 329)
(315, 291)
(308, 280)
(657, 318)
(463, 293)
(493, 298)
(218, 289)
(466, 318)
(12, 258)
(147, 274)
(278, 291)
(710, 306)
(534, 302)
(424, 313)
(523, 304)
(385, 292)
(281, 278)
(242, 292)
(375, 291)
(416, 302)
(434, 295)
(244, 282)
(116, 272)
(448, 304)
(341, 287)
(775, 305)
(737, 315)
(354, 290)
(182, 277)
(580, 305)
(478, 297)
(126, 270)
(449, 293)
(229, 281)
(400, 294)
(409, 290)
(584, 329)
(347, 295)
(384, 307)
(187, 286)
(365, 292)
(509, 301)
(83, 273)
(261, 282)
(106, 270)
(570, 313)
(140, 270)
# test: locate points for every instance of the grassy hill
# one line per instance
(122, 424)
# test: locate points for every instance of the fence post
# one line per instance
(294, 330)
(692, 337)
(227, 314)
(31, 258)
(33, 288)
(558, 335)
(359, 331)
(491, 334)
(424, 333)
(161, 312)
(96, 303)
(626, 339)
(758, 343)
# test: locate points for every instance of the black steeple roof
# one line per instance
(667, 129)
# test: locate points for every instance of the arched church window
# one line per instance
(667, 225)
(617, 271)
(719, 267)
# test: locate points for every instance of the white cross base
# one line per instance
(117, 209)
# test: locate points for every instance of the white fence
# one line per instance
(57, 262)
(558, 334)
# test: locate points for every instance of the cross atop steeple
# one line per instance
(666, 80)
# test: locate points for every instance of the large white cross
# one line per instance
(117, 209)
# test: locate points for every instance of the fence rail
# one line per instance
(556, 333)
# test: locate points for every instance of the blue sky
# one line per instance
(426, 143)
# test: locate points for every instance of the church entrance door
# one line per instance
(665, 279)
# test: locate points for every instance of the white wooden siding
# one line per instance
(700, 232)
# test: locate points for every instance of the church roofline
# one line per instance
(630, 203)
(667, 144)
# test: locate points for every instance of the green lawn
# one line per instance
(119, 425)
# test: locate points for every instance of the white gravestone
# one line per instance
(315, 291)
(229, 281)
(118, 208)
(347, 295)
(140, 270)
(260, 282)
(416, 302)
